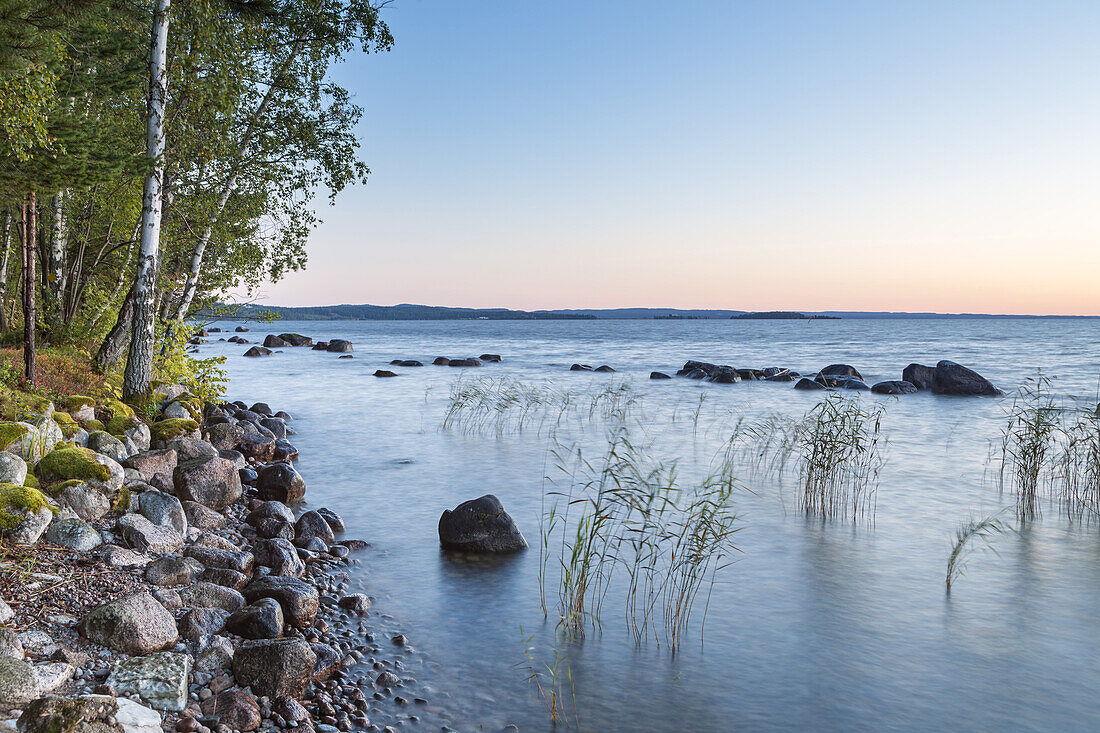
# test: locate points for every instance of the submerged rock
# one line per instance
(258, 351)
(810, 384)
(383, 373)
(895, 386)
(480, 525)
(950, 378)
(919, 375)
(339, 346)
(659, 375)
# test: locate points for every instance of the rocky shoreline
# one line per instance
(157, 577)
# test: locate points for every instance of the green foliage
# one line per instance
(173, 427)
(205, 379)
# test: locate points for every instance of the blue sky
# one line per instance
(807, 155)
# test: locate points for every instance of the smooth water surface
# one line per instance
(824, 626)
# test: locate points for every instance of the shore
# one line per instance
(164, 576)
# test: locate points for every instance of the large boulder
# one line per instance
(280, 482)
(21, 439)
(88, 714)
(133, 624)
(919, 375)
(13, 469)
(808, 384)
(171, 428)
(212, 482)
(274, 342)
(160, 679)
(299, 599)
(840, 370)
(19, 683)
(480, 525)
(152, 462)
(257, 447)
(24, 514)
(312, 525)
(280, 556)
(163, 509)
(202, 517)
(275, 667)
(144, 536)
(86, 502)
(103, 442)
(73, 534)
(166, 571)
(201, 622)
(895, 387)
(339, 346)
(296, 339)
(260, 620)
(96, 470)
(235, 709)
(954, 379)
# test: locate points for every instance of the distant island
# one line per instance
(781, 316)
(412, 312)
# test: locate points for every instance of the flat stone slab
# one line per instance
(160, 679)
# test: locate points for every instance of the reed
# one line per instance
(839, 446)
(1078, 470)
(625, 510)
(553, 681)
(1028, 443)
(978, 533)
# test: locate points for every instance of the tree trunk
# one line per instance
(4, 273)
(55, 279)
(30, 253)
(114, 343)
(139, 365)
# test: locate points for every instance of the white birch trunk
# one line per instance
(139, 365)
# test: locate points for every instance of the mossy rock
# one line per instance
(93, 425)
(122, 502)
(119, 416)
(193, 405)
(173, 427)
(31, 481)
(67, 424)
(57, 488)
(71, 463)
(76, 401)
(16, 499)
(12, 432)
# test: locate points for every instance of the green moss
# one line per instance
(93, 425)
(118, 416)
(76, 401)
(173, 427)
(70, 463)
(11, 432)
(15, 499)
(65, 421)
(193, 405)
(57, 488)
(31, 480)
(122, 503)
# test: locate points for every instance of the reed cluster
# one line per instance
(625, 513)
(1028, 442)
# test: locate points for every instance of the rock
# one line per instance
(290, 709)
(30, 521)
(805, 383)
(216, 655)
(407, 363)
(13, 469)
(784, 376)
(299, 599)
(270, 510)
(280, 556)
(168, 571)
(659, 375)
(441, 361)
(840, 370)
(339, 346)
(492, 358)
(257, 447)
(95, 469)
(480, 525)
(53, 675)
(168, 598)
(88, 714)
(6, 614)
(209, 595)
(119, 557)
(333, 519)
(163, 509)
(215, 557)
(273, 529)
(950, 378)
(141, 436)
(296, 339)
(37, 643)
(73, 534)
(896, 386)
(133, 624)
(103, 442)
(202, 517)
(21, 439)
(258, 351)
(275, 667)
(274, 342)
(241, 329)
(311, 524)
(152, 462)
(188, 449)
(464, 362)
(604, 368)
(49, 431)
(857, 384)
(234, 708)
(202, 621)
(284, 451)
(356, 603)
(724, 375)
(328, 661)
(225, 436)
(212, 482)
(144, 536)
(225, 577)
(919, 375)
(260, 620)
(384, 373)
(280, 482)
(10, 646)
(159, 679)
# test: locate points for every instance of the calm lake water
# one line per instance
(822, 626)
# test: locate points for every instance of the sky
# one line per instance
(813, 155)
